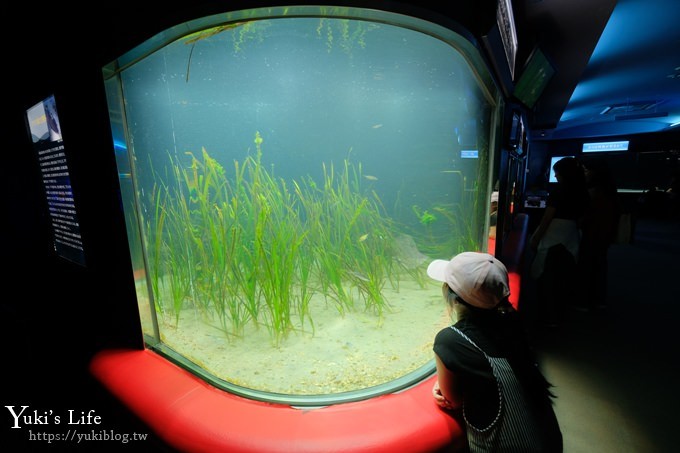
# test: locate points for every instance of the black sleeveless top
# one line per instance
(506, 399)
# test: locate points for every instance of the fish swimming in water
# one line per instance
(361, 277)
(371, 177)
(377, 126)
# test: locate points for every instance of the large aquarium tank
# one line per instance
(286, 175)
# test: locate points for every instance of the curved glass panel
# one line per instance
(288, 180)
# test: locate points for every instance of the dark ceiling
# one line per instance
(617, 66)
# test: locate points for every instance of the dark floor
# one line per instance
(614, 371)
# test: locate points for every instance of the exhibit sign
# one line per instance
(45, 131)
(601, 147)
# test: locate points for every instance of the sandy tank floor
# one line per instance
(343, 352)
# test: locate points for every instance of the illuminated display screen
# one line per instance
(553, 161)
(45, 131)
(605, 147)
(534, 78)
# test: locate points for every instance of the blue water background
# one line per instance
(401, 103)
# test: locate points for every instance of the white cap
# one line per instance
(477, 278)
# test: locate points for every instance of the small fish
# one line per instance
(359, 276)
(363, 237)
(377, 126)
(371, 177)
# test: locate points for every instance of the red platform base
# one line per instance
(193, 416)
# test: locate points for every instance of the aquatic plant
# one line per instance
(252, 247)
(347, 34)
(242, 32)
(278, 239)
(193, 38)
(424, 217)
(156, 235)
(443, 229)
(350, 33)
(426, 220)
(357, 237)
(253, 30)
(459, 222)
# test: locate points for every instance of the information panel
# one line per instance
(600, 147)
(43, 124)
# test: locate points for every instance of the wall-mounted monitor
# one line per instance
(45, 131)
(605, 147)
(535, 77)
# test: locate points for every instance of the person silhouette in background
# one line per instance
(557, 238)
(485, 367)
(599, 230)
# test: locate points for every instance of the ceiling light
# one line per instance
(629, 107)
(641, 116)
